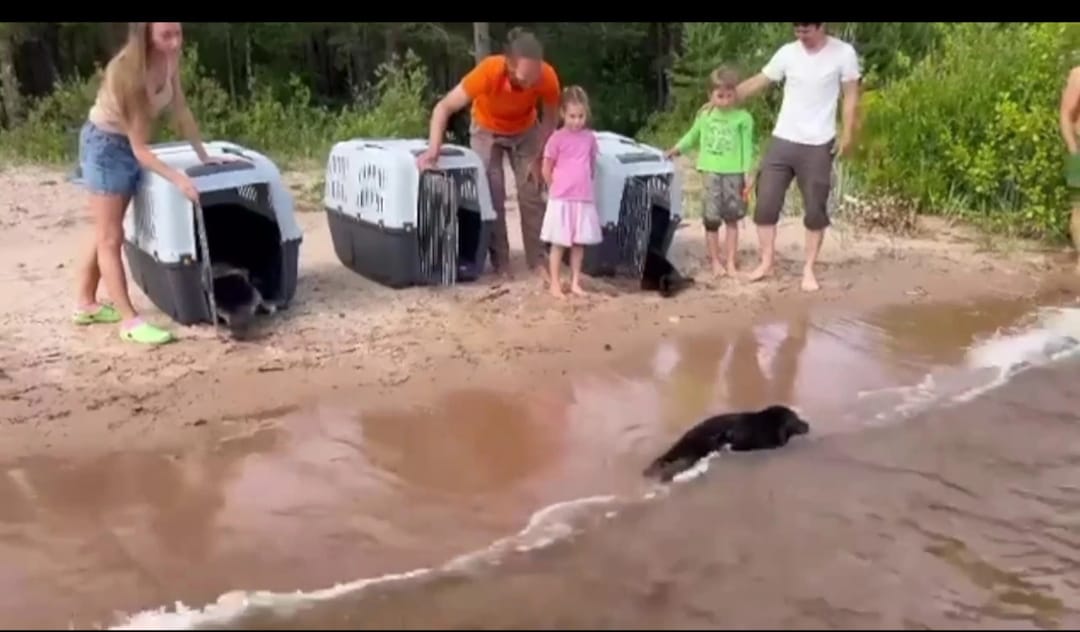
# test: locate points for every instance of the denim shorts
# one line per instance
(108, 164)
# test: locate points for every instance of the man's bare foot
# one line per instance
(576, 290)
(760, 273)
(732, 269)
(809, 281)
(557, 292)
(718, 268)
(501, 273)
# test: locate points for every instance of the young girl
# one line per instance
(571, 220)
(141, 81)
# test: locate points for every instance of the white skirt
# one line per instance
(571, 223)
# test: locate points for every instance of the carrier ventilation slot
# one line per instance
(336, 180)
(249, 193)
(437, 228)
(372, 182)
(635, 220)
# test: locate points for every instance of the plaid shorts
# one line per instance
(723, 199)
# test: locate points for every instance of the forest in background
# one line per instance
(957, 118)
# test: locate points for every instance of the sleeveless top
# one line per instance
(105, 113)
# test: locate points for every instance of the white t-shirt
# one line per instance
(811, 88)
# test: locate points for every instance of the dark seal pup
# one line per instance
(765, 429)
(661, 276)
(238, 300)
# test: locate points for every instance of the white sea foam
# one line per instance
(988, 365)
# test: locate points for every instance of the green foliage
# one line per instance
(608, 60)
(51, 128)
(957, 118)
(282, 121)
(972, 129)
(886, 49)
(746, 46)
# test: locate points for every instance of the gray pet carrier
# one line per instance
(249, 224)
(400, 227)
(639, 199)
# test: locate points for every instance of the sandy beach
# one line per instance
(66, 390)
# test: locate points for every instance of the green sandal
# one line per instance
(103, 313)
(144, 333)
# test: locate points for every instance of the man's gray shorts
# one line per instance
(810, 166)
(722, 200)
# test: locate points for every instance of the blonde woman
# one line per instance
(141, 81)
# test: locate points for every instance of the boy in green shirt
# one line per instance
(724, 137)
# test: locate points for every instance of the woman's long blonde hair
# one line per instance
(125, 75)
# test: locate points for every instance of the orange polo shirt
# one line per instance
(499, 107)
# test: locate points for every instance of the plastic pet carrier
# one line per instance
(639, 199)
(400, 227)
(248, 223)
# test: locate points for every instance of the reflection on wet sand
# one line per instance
(332, 494)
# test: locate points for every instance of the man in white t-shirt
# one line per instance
(815, 69)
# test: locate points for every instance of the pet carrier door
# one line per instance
(437, 229)
(634, 236)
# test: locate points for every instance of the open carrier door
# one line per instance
(437, 227)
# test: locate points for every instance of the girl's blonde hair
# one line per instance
(125, 74)
(575, 94)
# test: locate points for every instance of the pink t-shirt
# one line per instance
(574, 154)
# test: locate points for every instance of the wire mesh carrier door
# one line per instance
(633, 233)
(437, 227)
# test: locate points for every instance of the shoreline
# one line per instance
(72, 392)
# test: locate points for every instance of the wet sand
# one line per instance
(373, 431)
(326, 493)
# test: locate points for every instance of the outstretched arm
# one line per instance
(447, 106)
(185, 120)
(688, 141)
(753, 86)
(773, 72)
(1070, 99)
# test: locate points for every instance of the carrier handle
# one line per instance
(206, 170)
(236, 152)
(443, 151)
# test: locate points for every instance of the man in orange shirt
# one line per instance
(504, 91)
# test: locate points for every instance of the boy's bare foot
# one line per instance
(760, 273)
(576, 289)
(718, 268)
(556, 291)
(732, 269)
(809, 281)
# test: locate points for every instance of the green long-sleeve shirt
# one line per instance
(724, 139)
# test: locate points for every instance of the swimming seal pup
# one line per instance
(764, 429)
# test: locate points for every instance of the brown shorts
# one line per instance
(810, 166)
(722, 201)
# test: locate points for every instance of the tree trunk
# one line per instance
(481, 40)
(393, 34)
(9, 83)
(247, 62)
(229, 61)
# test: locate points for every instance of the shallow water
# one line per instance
(901, 508)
